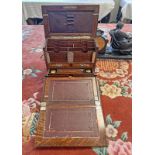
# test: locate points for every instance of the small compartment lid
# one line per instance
(70, 20)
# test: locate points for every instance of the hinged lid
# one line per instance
(70, 20)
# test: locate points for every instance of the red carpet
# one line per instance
(115, 86)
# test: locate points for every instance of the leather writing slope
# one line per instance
(71, 114)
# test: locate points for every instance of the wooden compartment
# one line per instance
(70, 35)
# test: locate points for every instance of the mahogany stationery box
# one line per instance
(71, 111)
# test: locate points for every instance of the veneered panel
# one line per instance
(71, 91)
(71, 122)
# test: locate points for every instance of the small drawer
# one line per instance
(59, 65)
(83, 65)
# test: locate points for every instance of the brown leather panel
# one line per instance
(71, 122)
(61, 20)
(72, 91)
(70, 22)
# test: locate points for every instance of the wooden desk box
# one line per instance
(71, 112)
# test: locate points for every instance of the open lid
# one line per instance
(70, 20)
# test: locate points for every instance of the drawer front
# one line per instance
(59, 65)
(83, 65)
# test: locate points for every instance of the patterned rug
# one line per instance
(115, 86)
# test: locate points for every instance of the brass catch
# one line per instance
(43, 108)
(43, 104)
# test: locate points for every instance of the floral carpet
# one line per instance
(115, 86)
